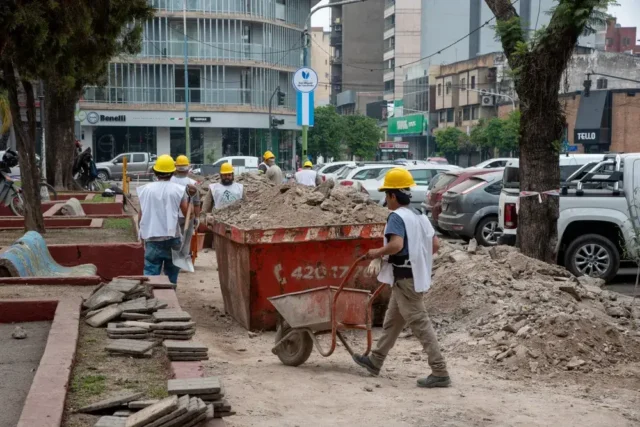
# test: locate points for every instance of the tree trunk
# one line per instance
(26, 141)
(60, 137)
(541, 125)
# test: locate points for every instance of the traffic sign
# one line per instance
(571, 148)
(305, 80)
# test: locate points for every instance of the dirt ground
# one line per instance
(77, 235)
(335, 392)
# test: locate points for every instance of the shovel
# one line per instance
(182, 257)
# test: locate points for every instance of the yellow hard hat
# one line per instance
(397, 179)
(307, 164)
(268, 155)
(165, 164)
(226, 168)
(182, 160)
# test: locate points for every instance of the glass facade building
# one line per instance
(238, 53)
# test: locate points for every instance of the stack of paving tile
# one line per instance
(208, 389)
(141, 308)
(186, 351)
(174, 411)
(173, 330)
(118, 331)
(131, 348)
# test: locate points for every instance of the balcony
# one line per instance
(335, 39)
(336, 79)
(388, 75)
(389, 32)
(388, 54)
(335, 60)
(389, 10)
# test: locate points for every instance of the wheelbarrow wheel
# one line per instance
(295, 350)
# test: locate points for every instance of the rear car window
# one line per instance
(444, 180)
(494, 188)
(421, 176)
(344, 172)
(465, 185)
(332, 168)
(511, 178)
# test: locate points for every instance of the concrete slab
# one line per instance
(183, 408)
(172, 337)
(170, 315)
(174, 332)
(123, 413)
(111, 421)
(104, 316)
(184, 346)
(221, 405)
(177, 326)
(192, 412)
(141, 404)
(134, 324)
(18, 364)
(153, 412)
(194, 386)
(136, 316)
(103, 297)
(125, 286)
(187, 353)
(112, 402)
(130, 347)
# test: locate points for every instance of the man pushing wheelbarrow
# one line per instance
(404, 262)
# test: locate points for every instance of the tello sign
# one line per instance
(586, 136)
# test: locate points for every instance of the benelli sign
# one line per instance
(590, 136)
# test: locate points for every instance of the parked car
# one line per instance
(494, 163)
(432, 204)
(422, 175)
(353, 175)
(438, 160)
(470, 209)
(140, 164)
(328, 169)
(511, 189)
(241, 164)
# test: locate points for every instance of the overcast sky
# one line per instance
(628, 14)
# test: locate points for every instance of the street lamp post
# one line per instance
(187, 136)
(306, 41)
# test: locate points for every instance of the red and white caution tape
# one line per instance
(533, 194)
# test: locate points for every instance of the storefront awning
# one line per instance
(589, 123)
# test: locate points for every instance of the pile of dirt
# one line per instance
(254, 183)
(294, 205)
(527, 316)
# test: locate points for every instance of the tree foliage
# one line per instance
(451, 141)
(326, 133)
(502, 134)
(361, 135)
(537, 62)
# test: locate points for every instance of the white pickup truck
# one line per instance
(598, 207)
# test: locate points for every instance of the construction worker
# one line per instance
(225, 192)
(160, 205)
(180, 177)
(407, 254)
(268, 160)
(307, 176)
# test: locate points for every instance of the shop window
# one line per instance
(473, 82)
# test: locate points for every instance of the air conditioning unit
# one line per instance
(486, 101)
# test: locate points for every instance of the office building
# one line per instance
(320, 63)
(238, 52)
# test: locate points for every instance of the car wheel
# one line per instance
(103, 175)
(593, 255)
(488, 231)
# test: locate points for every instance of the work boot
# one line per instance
(432, 382)
(365, 362)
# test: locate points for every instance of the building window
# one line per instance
(443, 116)
(447, 90)
(626, 41)
(473, 82)
(450, 115)
(439, 89)
(475, 113)
(466, 113)
(609, 41)
(326, 62)
(463, 84)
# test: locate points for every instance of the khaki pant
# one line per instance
(407, 307)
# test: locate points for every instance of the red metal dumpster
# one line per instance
(254, 265)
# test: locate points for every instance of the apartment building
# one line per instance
(402, 29)
(356, 60)
(238, 54)
(320, 48)
(621, 39)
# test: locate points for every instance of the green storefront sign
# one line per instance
(407, 125)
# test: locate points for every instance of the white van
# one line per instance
(507, 214)
(240, 165)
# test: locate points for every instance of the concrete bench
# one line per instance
(29, 257)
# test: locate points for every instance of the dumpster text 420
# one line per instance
(321, 272)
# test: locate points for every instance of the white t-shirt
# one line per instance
(184, 181)
(160, 204)
(306, 177)
(224, 195)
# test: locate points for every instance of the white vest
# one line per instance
(306, 177)
(420, 233)
(160, 204)
(183, 181)
(224, 195)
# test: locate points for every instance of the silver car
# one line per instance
(470, 209)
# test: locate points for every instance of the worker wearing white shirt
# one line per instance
(180, 177)
(225, 192)
(407, 254)
(160, 204)
(307, 176)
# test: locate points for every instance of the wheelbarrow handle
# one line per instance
(344, 282)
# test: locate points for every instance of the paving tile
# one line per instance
(183, 408)
(221, 405)
(135, 324)
(130, 346)
(169, 315)
(187, 346)
(200, 418)
(124, 285)
(102, 298)
(194, 386)
(173, 337)
(112, 402)
(136, 316)
(123, 413)
(187, 353)
(173, 332)
(141, 404)
(104, 316)
(153, 412)
(178, 326)
(193, 412)
(111, 422)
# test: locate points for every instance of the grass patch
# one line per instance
(118, 224)
(89, 385)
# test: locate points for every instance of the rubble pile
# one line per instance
(528, 316)
(295, 205)
(254, 183)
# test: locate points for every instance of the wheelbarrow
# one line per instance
(320, 311)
